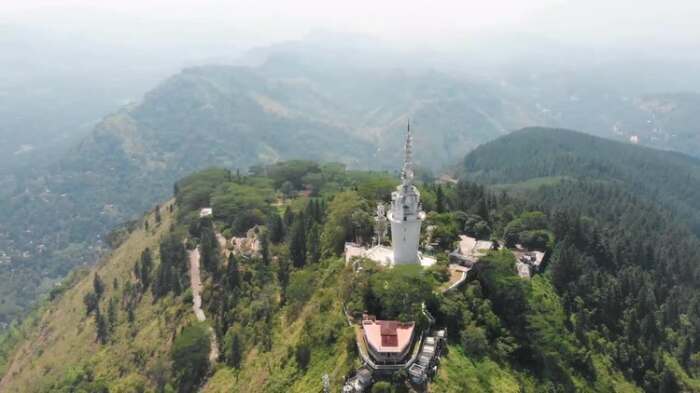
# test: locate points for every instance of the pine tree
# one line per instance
(440, 199)
(283, 278)
(158, 214)
(275, 228)
(209, 248)
(112, 314)
(145, 266)
(91, 302)
(98, 286)
(288, 218)
(236, 349)
(314, 244)
(264, 249)
(232, 275)
(101, 327)
(297, 242)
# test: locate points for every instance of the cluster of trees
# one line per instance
(170, 276)
(397, 293)
(91, 300)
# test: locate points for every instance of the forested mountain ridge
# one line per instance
(668, 178)
(279, 314)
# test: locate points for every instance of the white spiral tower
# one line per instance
(405, 214)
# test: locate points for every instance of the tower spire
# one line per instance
(407, 171)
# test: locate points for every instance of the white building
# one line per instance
(406, 217)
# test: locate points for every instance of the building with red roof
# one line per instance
(387, 341)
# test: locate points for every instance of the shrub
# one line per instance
(382, 387)
(302, 354)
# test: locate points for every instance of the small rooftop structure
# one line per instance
(206, 212)
(387, 341)
(418, 373)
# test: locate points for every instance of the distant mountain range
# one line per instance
(295, 104)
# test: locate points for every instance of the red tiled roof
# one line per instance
(388, 336)
(388, 328)
(390, 340)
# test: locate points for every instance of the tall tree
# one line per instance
(283, 278)
(288, 217)
(236, 350)
(112, 314)
(232, 274)
(98, 286)
(145, 266)
(101, 327)
(297, 242)
(439, 199)
(209, 247)
(275, 228)
(314, 244)
(265, 248)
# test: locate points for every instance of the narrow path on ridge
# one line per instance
(196, 285)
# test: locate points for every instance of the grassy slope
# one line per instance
(276, 371)
(459, 373)
(64, 337)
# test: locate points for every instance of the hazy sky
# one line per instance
(418, 22)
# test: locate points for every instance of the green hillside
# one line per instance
(277, 317)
